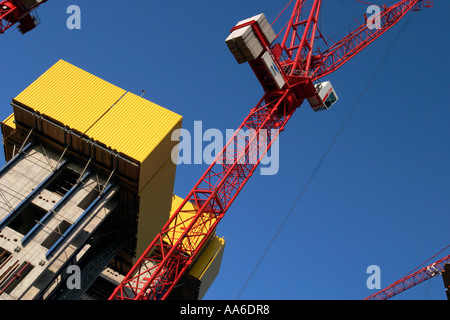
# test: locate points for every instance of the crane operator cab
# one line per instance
(325, 97)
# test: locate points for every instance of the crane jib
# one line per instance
(298, 61)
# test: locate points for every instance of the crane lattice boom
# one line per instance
(287, 73)
(411, 280)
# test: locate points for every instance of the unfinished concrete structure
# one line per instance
(88, 184)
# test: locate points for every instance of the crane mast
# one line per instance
(288, 72)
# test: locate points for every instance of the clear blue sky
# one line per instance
(380, 197)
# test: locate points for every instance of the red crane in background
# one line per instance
(412, 280)
(288, 72)
(21, 12)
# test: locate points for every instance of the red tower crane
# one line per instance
(288, 72)
(21, 12)
(411, 280)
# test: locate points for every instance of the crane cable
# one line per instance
(324, 156)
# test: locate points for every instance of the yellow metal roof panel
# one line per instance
(134, 126)
(10, 121)
(70, 95)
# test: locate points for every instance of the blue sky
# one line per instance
(380, 197)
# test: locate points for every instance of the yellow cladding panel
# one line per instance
(134, 126)
(71, 96)
(186, 217)
(207, 257)
(154, 205)
(207, 267)
(10, 122)
(119, 120)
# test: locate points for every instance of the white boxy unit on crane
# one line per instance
(243, 42)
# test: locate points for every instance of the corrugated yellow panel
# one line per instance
(155, 201)
(70, 95)
(207, 257)
(10, 121)
(185, 220)
(207, 267)
(134, 126)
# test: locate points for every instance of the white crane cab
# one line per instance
(325, 97)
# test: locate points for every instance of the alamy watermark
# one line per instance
(374, 280)
(374, 20)
(247, 147)
(373, 17)
(73, 281)
(74, 20)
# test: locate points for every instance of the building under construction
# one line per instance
(88, 182)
